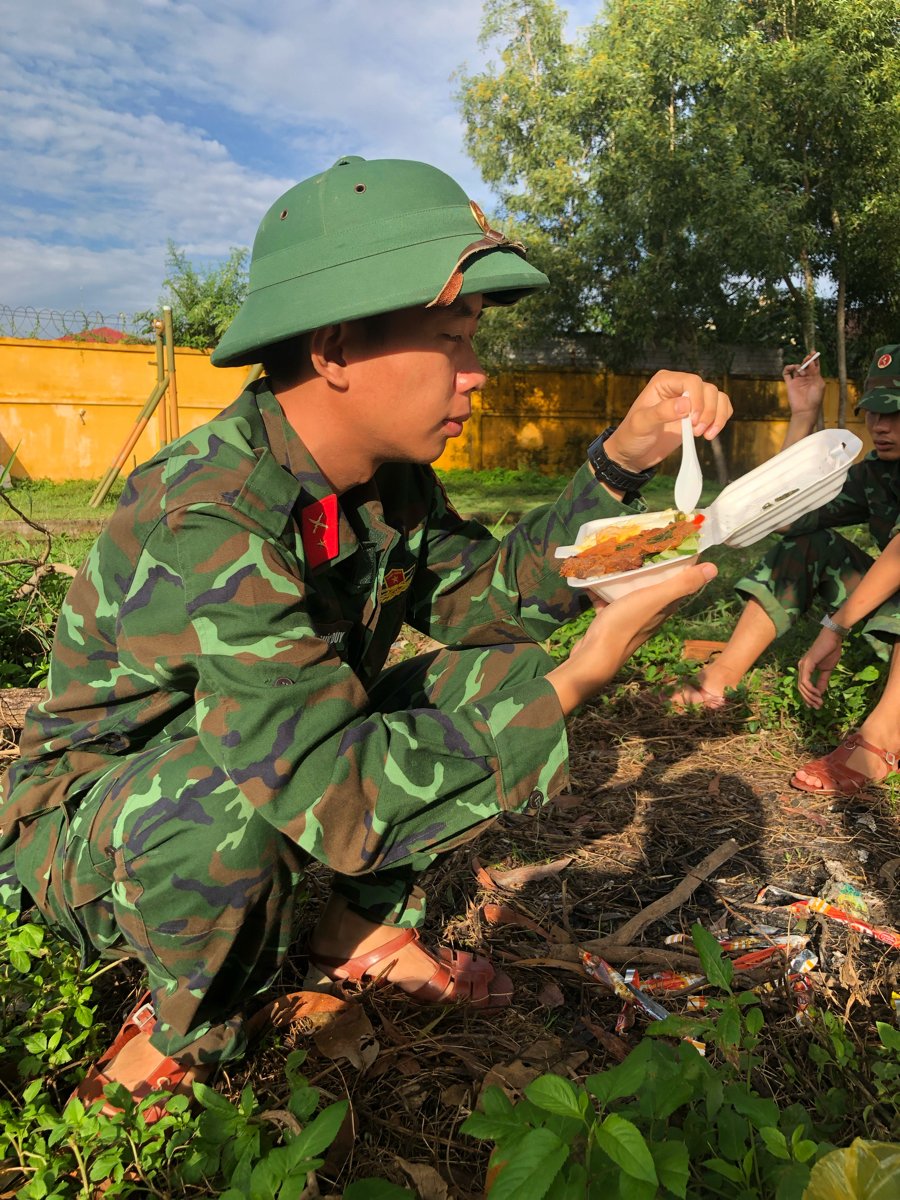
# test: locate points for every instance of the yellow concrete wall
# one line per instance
(545, 419)
(69, 406)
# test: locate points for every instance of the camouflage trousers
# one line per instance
(818, 568)
(164, 860)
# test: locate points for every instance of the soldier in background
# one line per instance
(219, 713)
(812, 564)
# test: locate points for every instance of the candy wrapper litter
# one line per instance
(802, 905)
(599, 969)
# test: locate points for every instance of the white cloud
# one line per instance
(125, 125)
(51, 275)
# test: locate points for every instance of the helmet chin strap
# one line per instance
(494, 240)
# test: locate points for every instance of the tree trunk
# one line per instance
(841, 323)
(808, 315)
(14, 703)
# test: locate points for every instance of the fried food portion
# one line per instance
(628, 549)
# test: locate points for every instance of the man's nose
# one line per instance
(471, 375)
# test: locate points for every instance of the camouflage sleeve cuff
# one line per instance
(532, 745)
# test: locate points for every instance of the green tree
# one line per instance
(203, 299)
(699, 172)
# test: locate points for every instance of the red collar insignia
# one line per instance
(319, 530)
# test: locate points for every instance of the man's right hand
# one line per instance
(617, 631)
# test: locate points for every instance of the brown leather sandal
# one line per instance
(458, 977)
(834, 774)
(168, 1076)
(696, 650)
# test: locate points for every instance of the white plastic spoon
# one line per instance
(689, 480)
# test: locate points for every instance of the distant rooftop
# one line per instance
(102, 333)
(585, 351)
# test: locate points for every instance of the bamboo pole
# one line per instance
(253, 374)
(158, 328)
(130, 442)
(174, 429)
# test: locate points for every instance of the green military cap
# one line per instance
(882, 391)
(368, 237)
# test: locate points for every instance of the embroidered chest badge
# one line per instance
(395, 582)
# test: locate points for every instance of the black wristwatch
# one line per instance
(627, 482)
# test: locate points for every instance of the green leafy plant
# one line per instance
(51, 1145)
(203, 300)
(665, 1122)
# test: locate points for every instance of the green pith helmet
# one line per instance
(882, 391)
(363, 238)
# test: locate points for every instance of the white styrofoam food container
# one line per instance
(793, 483)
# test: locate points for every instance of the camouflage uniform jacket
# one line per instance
(870, 496)
(233, 597)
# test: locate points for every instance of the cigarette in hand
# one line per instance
(812, 358)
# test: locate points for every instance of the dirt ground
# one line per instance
(652, 795)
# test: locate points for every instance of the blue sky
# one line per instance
(127, 124)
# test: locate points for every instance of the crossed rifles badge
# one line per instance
(319, 530)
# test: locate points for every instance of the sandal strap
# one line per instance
(889, 760)
(356, 969)
(833, 772)
(457, 975)
(141, 1018)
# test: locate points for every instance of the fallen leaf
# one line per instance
(543, 1053)
(455, 1096)
(567, 800)
(505, 914)
(890, 873)
(348, 1035)
(575, 1060)
(614, 1046)
(309, 1008)
(343, 1145)
(714, 785)
(519, 876)
(550, 996)
(484, 879)
(408, 1064)
(512, 1078)
(697, 650)
(428, 1183)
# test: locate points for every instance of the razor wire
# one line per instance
(25, 321)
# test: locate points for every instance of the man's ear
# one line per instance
(327, 354)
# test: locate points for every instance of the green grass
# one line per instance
(67, 500)
(488, 495)
(504, 495)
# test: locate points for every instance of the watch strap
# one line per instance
(609, 472)
(829, 623)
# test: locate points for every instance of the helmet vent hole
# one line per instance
(359, 187)
(283, 214)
